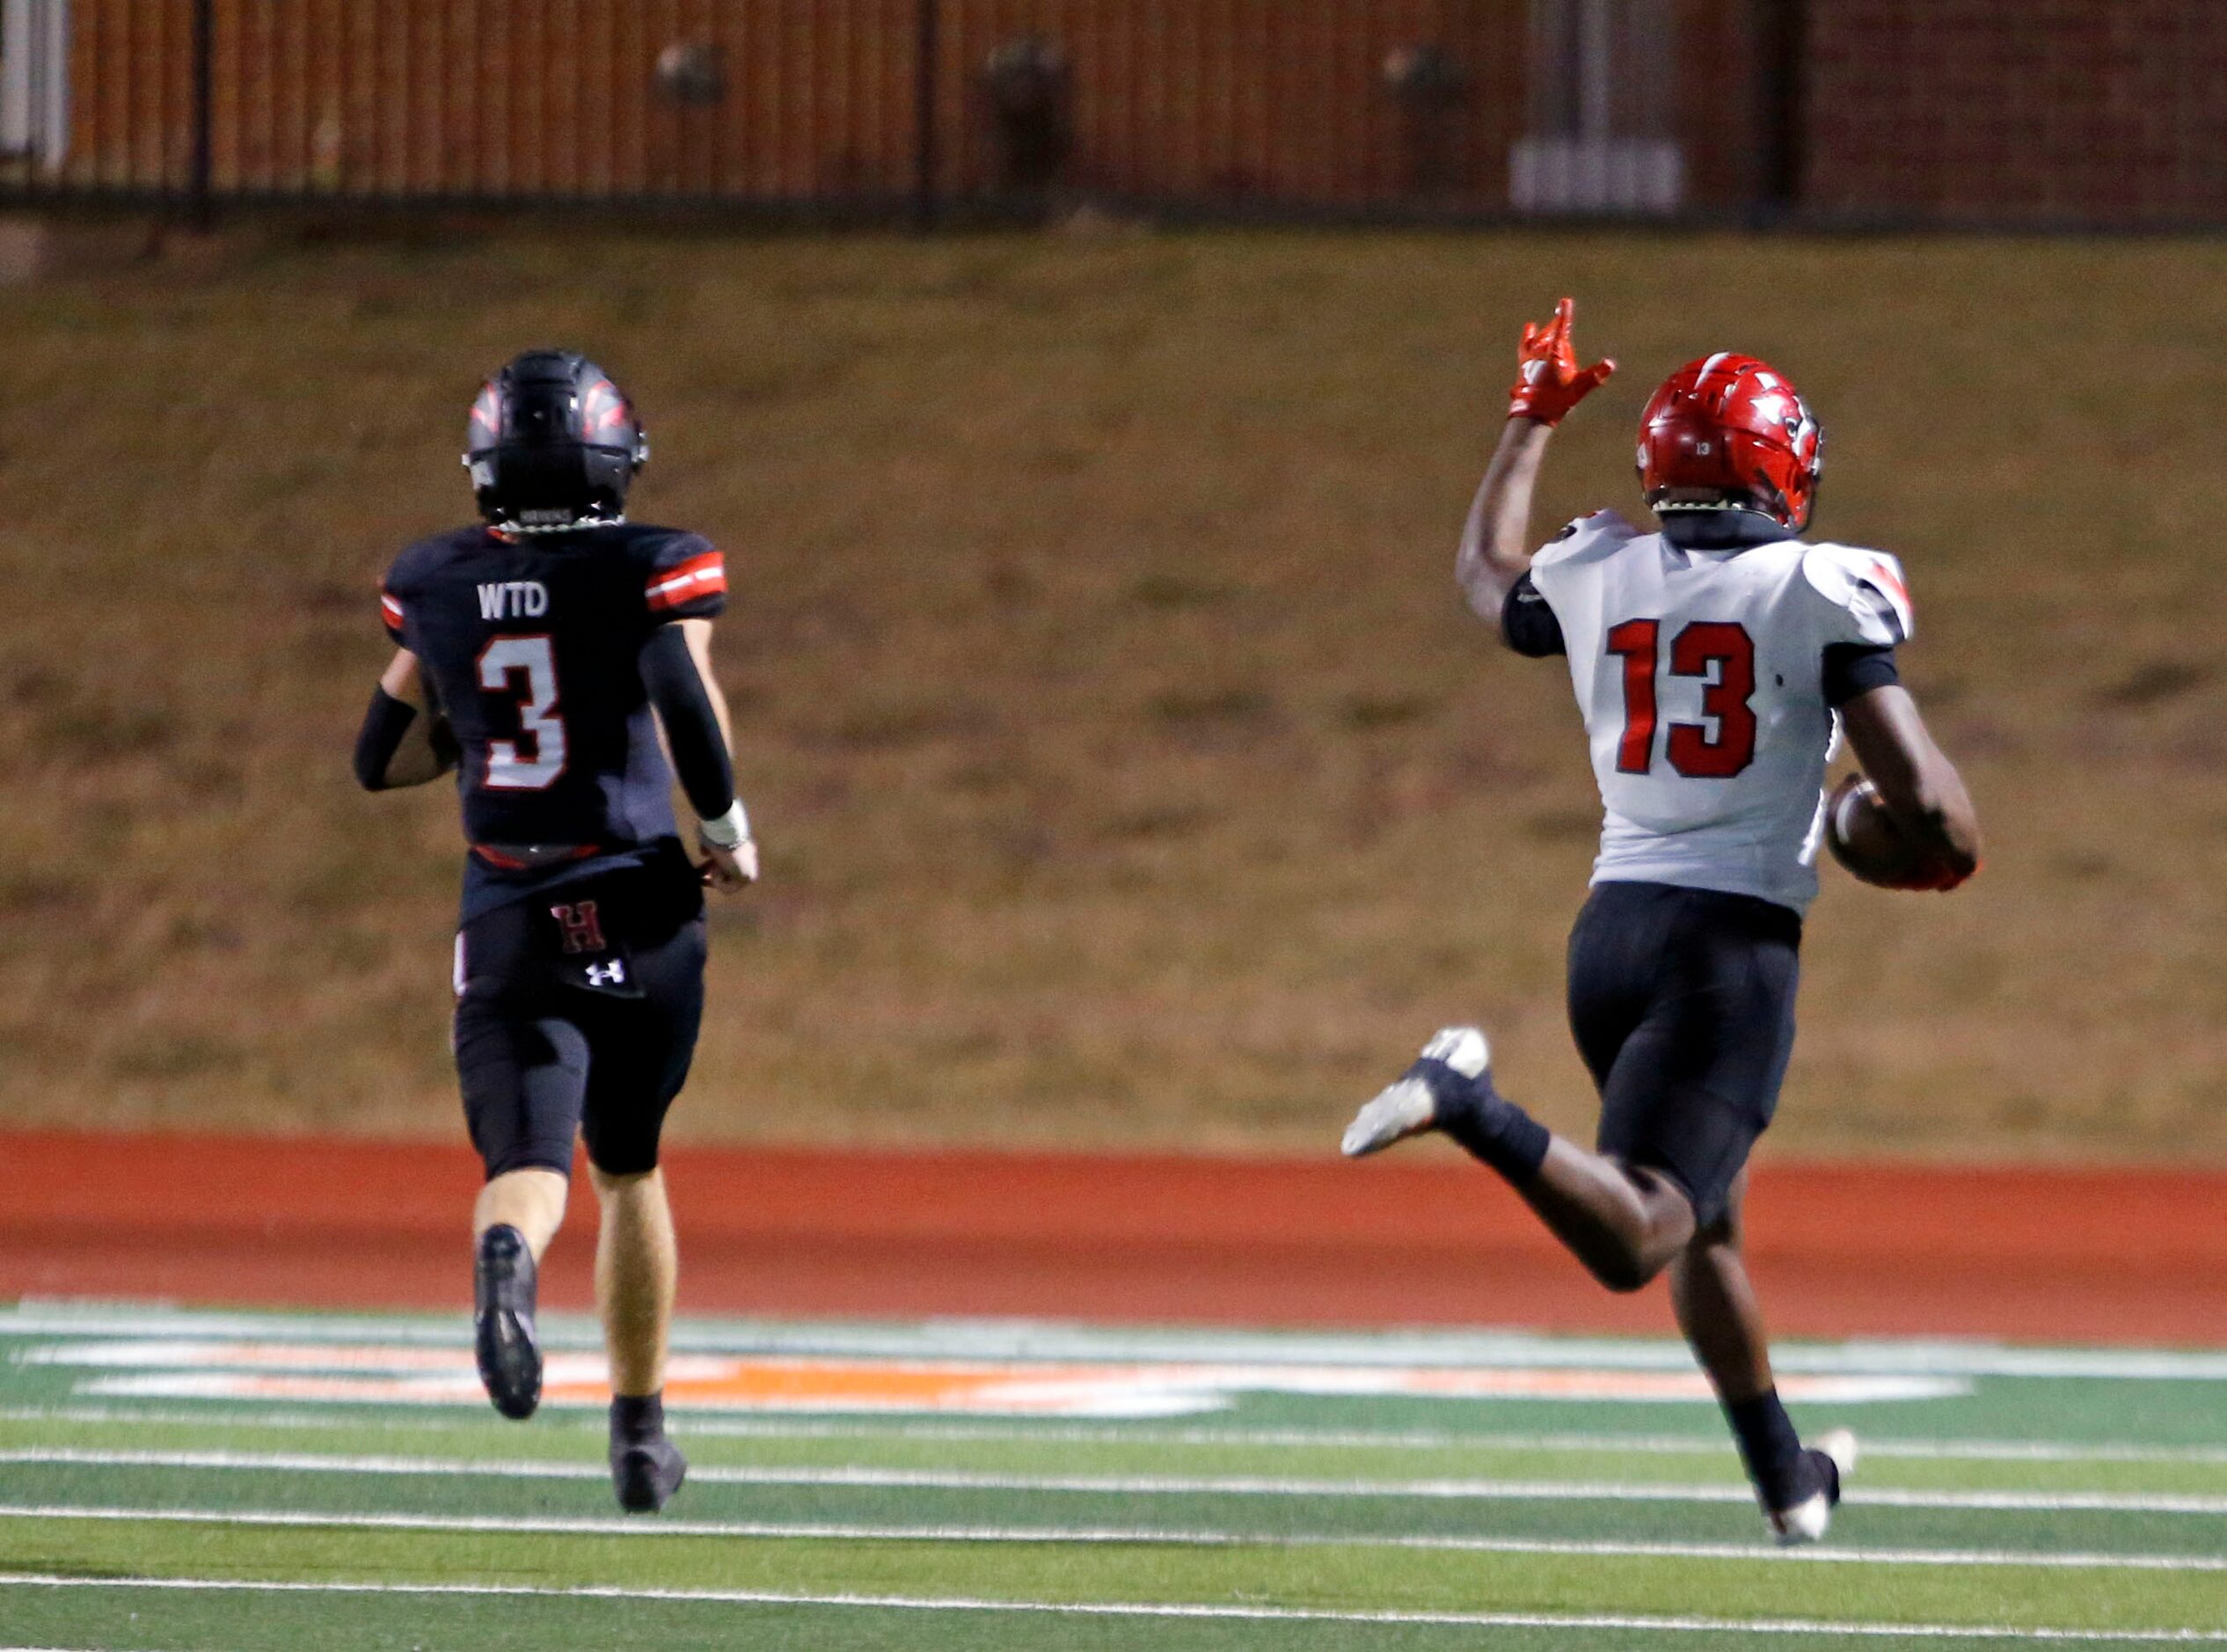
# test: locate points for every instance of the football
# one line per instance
(1864, 838)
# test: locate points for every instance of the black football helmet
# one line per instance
(553, 444)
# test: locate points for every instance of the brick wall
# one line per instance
(1252, 101)
(498, 97)
(2018, 111)
(1214, 100)
(1217, 102)
(2006, 111)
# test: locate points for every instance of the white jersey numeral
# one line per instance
(510, 769)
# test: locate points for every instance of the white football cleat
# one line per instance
(1406, 1107)
(1808, 1520)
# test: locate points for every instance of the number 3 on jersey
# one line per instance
(501, 662)
(1723, 655)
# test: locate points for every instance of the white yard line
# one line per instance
(1713, 1444)
(451, 1420)
(1179, 1537)
(1026, 1339)
(1606, 1622)
(1123, 1485)
(1717, 1444)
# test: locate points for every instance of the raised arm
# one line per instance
(1918, 787)
(1496, 541)
(404, 740)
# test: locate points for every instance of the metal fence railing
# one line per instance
(1885, 110)
(1397, 105)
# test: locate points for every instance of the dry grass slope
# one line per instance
(1126, 769)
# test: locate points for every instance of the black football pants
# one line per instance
(578, 1013)
(1682, 1003)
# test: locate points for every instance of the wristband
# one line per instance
(730, 830)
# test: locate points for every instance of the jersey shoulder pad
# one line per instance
(1867, 587)
(407, 575)
(1600, 534)
(683, 575)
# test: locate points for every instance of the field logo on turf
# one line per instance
(381, 1374)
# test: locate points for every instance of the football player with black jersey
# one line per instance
(542, 652)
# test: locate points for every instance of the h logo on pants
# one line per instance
(583, 928)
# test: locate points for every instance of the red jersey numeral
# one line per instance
(1635, 640)
(1723, 655)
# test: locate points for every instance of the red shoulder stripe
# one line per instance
(1883, 573)
(670, 587)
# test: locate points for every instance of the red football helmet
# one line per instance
(1728, 431)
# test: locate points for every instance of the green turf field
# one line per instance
(176, 1480)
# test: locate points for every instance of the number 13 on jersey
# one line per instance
(532, 762)
(1723, 657)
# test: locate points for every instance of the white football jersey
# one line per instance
(1700, 674)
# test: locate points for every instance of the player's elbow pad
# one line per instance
(675, 688)
(385, 721)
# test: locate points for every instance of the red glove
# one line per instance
(1548, 380)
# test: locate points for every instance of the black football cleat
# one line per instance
(1829, 1462)
(1454, 1071)
(503, 1283)
(646, 1472)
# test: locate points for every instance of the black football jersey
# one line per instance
(528, 646)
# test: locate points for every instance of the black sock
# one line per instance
(1499, 1134)
(637, 1417)
(1770, 1447)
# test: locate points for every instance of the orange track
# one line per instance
(2050, 1255)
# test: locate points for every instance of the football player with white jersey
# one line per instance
(1718, 661)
